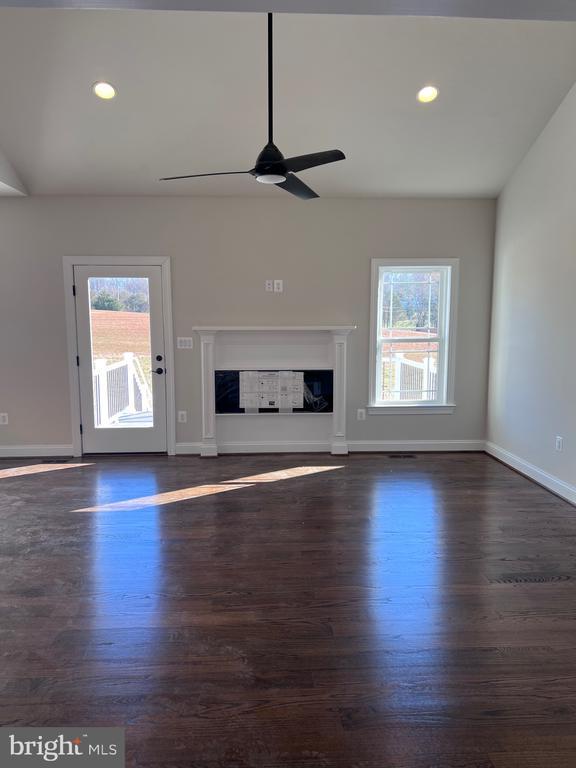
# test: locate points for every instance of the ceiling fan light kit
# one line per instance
(271, 166)
(270, 178)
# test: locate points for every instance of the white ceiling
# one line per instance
(191, 98)
(487, 9)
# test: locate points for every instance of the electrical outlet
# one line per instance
(3, 418)
(361, 414)
(559, 443)
(269, 285)
(278, 286)
(184, 342)
(182, 417)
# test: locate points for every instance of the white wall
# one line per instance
(533, 356)
(222, 250)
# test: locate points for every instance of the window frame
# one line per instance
(448, 307)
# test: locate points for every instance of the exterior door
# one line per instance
(121, 358)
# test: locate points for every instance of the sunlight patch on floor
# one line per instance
(194, 492)
(282, 474)
(159, 499)
(34, 469)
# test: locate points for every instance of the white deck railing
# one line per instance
(412, 380)
(119, 389)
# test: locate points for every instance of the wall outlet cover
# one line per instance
(182, 417)
(3, 418)
(278, 286)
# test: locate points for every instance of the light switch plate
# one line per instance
(278, 286)
(184, 342)
(3, 418)
(182, 417)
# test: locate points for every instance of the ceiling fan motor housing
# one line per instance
(270, 162)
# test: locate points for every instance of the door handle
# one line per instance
(158, 370)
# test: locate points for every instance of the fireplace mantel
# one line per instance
(277, 347)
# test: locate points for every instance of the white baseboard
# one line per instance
(33, 451)
(184, 449)
(258, 447)
(378, 446)
(414, 446)
(288, 446)
(551, 482)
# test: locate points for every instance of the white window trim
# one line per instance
(451, 316)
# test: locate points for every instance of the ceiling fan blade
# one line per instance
(302, 162)
(200, 175)
(297, 187)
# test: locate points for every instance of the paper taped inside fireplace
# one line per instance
(271, 389)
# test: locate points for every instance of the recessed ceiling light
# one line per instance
(104, 90)
(428, 94)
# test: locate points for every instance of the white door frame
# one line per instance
(69, 262)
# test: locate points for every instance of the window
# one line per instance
(413, 315)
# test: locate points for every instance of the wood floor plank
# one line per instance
(535, 760)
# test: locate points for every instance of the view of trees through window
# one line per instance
(119, 294)
(410, 304)
(409, 317)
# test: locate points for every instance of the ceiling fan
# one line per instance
(271, 166)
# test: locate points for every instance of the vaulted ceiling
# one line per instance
(192, 98)
(486, 9)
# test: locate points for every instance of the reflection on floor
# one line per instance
(359, 612)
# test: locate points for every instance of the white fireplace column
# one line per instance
(339, 445)
(208, 447)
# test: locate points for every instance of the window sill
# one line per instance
(412, 408)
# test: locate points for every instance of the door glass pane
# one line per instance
(121, 352)
(409, 371)
(409, 303)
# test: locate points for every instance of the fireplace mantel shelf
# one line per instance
(273, 328)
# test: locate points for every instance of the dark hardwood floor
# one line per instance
(293, 611)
